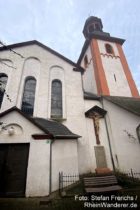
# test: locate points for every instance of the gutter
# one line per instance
(74, 136)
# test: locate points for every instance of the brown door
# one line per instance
(13, 168)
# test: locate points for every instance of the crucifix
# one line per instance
(96, 127)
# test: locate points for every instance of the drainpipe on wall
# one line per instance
(109, 141)
(50, 175)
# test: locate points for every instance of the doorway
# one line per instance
(13, 169)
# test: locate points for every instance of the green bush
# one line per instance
(127, 181)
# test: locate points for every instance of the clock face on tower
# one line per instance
(138, 132)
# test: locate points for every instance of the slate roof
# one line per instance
(95, 110)
(128, 103)
(57, 129)
(54, 129)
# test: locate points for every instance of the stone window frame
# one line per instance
(109, 49)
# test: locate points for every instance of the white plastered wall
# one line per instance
(92, 138)
(89, 82)
(64, 159)
(124, 148)
(73, 101)
(113, 68)
(75, 120)
(37, 181)
(31, 68)
(49, 67)
(58, 73)
(64, 155)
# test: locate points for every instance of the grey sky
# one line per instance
(59, 24)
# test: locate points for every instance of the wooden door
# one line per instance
(13, 168)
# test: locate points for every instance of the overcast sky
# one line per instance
(59, 24)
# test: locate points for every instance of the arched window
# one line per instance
(29, 96)
(3, 82)
(94, 27)
(91, 28)
(138, 132)
(109, 49)
(97, 26)
(56, 99)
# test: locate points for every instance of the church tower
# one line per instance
(106, 68)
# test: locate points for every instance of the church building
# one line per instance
(57, 115)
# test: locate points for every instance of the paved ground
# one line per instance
(57, 203)
(24, 203)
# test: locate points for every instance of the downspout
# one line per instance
(50, 174)
(108, 136)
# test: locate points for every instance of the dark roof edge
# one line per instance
(42, 136)
(14, 108)
(96, 109)
(108, 38)
(85, 46)
(74, 136)
(117, 104)
(41, 45)
(91, 96)
(79, 69)
(100, 37)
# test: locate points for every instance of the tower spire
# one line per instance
(92, 24)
